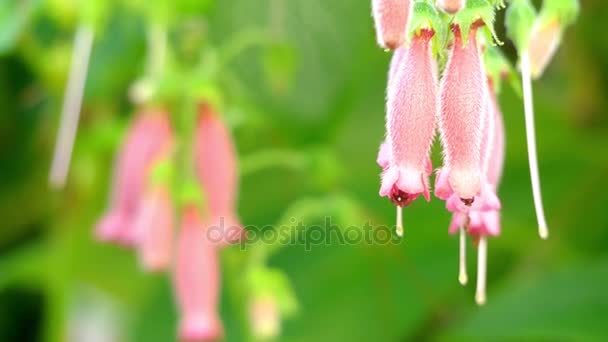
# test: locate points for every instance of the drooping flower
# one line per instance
(451, 6)
(391, 17)
(215, 159)
(461, 121)
(147, 138)
(478, 222)
(410, 124)
(154, 226)
(196, 280)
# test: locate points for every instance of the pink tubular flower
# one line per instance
(463, 97)
(197, 280)
(411, 114)
(146, 139)
(391, 17)
(451, 6)
(154, 226)
(480, 223)
(216, 168)
(544, 42)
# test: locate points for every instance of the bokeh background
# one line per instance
(307, 112)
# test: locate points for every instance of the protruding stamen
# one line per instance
(480, 294)
(399, 229)
(70, 113)
(531, 140)
(462, 271)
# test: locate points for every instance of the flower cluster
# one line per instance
(142, 214)
(461, 105)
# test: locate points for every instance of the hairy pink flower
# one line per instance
(463, 97)
(451, 6)
(197, 280)
(411, 115)
(154, 226)
(478, 222)
(391, 17)
(147, 138)
(215, 159)
(410, 124)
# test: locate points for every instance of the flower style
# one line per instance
(147, 138)
(391, 17)
(411, 116)
(196, 280)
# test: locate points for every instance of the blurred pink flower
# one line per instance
(215, 159)
(391, 17)
(197, 280)
(149, 135)
(154, 225)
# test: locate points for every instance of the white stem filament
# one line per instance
(462, 269)
(531, 140)
(399, 229)
(480, 293)
(72, 102)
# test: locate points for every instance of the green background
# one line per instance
(315, 100)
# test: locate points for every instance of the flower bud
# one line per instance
(197, 281)
(451, 6)
(215, 160)
(391, 17)
(544, 41)
(147, 138)
(265, 318)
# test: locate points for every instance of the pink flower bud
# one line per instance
(391, 17)
(544, 42)
(215, 159)
(154, 226)
(461, 122)
(411, 114)
(451, 6)
(146, 139)
(197, 281)
(265, 318)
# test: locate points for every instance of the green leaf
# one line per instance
(14, 16)
(570, 304)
